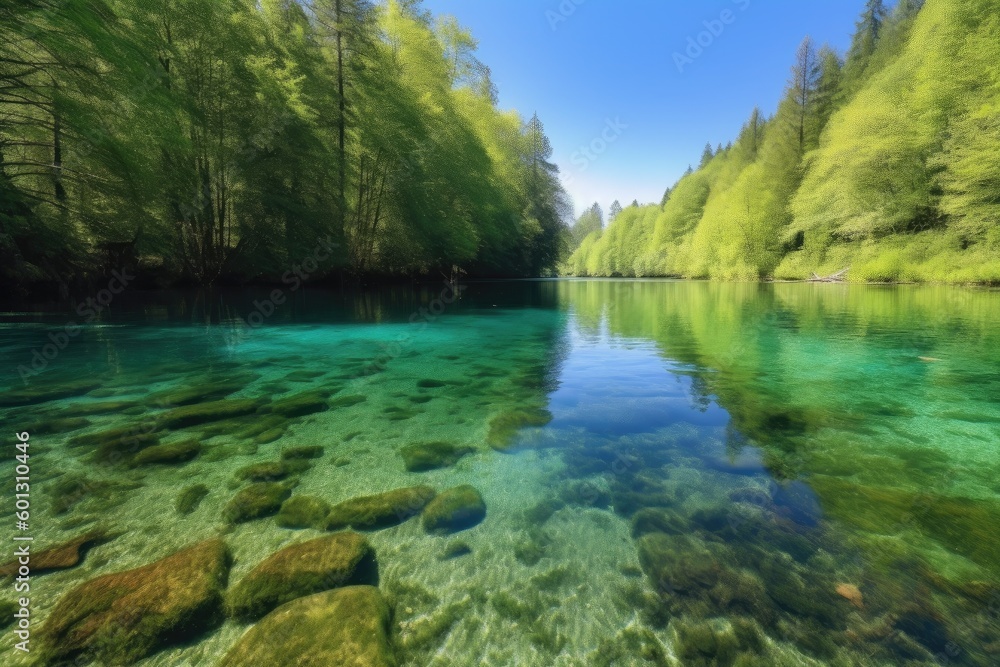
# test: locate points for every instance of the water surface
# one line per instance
(674, 472)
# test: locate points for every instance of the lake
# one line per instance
(672, 472)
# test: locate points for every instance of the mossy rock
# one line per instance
(97, 408)
(61, 556)
(346, 401)
(543, 511)
(257, 501)
(69, 490)
(36, 395)
(303, 512)
(212, 411)
(203, 391)
(346, 626)
(453, 510)
(249, 427)
(269, 436)
(301, 453)
(303, 569)
(431, 384)
(420, 457)
(190, 498)
(267, 471)
(299, 405)
(120, 618)
(455, 549)
(173, 452)
(505, 426)
(116, 445)
(57, 425)
(380, 510)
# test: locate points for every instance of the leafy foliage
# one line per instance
(886, 163)
(212, 140)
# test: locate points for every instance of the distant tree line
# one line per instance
(885, 160)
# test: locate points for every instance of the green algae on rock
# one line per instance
(380, 510)
(453, 510)
(302, 569)
(267, 471)
(120, 618)
(299, 405)
(56, 425)
(346, 401)
(35, 395)
(60, 556)
(346, 626)
(198, 392)
(190, 498)
(212, 411)
(256, 501)
(420, 457)
(455, 549)
(505, 426)
(172, 452)
(302, 452)
(303, 512)
(116, 445)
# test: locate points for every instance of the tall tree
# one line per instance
(613, 212)
(706, 155)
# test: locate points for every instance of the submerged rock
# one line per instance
(192, 415)
(120, 618)
(98, 408)
(303, 569)
(173, 452)
(36, 395)
(268, 471)
(456, 509)
(306, 403)
(455, 549)
(380, 510)
(420, 457)
(61, 556)
(347, 626)
(256, 501)
(269, 436)
(202, 391)
(116, 445)
(505, 426)
(190, 498)
(303, 512)
(347, 401)
(303, 452)
(57, 425)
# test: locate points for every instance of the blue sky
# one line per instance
(598, 67)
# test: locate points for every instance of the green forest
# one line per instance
(208, 141)
(884, 161)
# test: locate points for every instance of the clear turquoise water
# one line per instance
(707, 473)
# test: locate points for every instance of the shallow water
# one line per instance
(674, 473)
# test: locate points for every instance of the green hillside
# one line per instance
(885, 160)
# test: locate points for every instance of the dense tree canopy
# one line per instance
(208, 140)
(886, 162)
